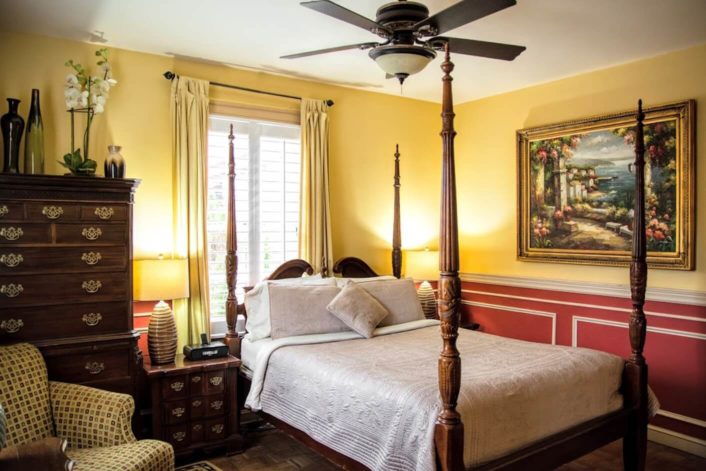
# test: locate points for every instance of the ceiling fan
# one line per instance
(411, 36)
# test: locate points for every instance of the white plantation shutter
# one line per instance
(267, 167)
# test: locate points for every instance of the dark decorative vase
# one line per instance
(12, 126)
(114, 166)
(34, 138)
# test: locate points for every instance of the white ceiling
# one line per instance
(563, 37)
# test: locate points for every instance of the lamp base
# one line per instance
(162, 335)
(426, 296)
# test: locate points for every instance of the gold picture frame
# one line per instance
(576, 189)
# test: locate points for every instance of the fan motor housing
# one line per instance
(401, 14)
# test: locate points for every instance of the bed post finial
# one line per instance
(231, 338)
(448, 435)
(396, 237)
(636, 395)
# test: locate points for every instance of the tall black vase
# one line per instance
(12, 126)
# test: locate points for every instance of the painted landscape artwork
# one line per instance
(577, 189)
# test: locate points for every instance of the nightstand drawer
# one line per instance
(215, 382)
(215, 429)
(215, 406)
(174, 387)
(177, 435)
(196, 383)
(175, 412)
(198, 431)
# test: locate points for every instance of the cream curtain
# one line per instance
(189, 115)
(314, 209)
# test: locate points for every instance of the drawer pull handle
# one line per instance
(196, 403)
(104, 213)
(195, 379)
(94, 368)
(218, 428)
(177, 386)
(91, 258)
(12, 325)
(216, 405)
(52, 212)
(11, 260)
(197, 428)
(216, 380)
(91, 286)
(3, 210)
(92, 319)
(12, 290)
(11, 233)
(178, 412)
(179, 436)
(92, 233)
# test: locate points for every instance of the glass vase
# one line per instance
(12, 126)
(34, 138)
(114, 166)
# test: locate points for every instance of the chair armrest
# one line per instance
(46, 454)
(89, 417)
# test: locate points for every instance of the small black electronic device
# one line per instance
(206, 350)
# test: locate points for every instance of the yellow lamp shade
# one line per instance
(422, 264)
(156, 280)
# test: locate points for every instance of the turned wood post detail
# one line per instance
(396, 237)
(231, 251)
(449, 428)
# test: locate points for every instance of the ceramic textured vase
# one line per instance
(426, 298)
(12, 126)
(34, 138)
(114, 166)
(162, 335)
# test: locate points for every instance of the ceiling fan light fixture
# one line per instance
(402, 60)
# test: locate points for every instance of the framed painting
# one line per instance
(576, 189)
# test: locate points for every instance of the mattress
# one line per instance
(249, 350)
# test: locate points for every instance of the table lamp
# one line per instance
(159, 280)
(423, 265)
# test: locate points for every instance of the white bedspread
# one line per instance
(376, 400)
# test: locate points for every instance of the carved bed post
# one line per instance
(448, 434)
(635, 441)
(231, 339)
(396, 237)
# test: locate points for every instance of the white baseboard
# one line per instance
(677, 440)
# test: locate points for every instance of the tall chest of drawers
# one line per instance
(66, 276)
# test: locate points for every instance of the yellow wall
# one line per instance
(364, 129)
(487, 161)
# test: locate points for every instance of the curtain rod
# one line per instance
(169, 75)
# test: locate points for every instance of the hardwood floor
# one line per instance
(270, 449)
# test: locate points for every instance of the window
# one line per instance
(267, 169)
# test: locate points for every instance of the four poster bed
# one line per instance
(372, 403)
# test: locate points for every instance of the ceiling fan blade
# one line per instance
(336, 11)
(471, 47)
(330, 49)
(464, 12)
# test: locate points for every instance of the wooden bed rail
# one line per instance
(448, 434)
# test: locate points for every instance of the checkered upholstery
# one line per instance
(3, 428)
(96, 423)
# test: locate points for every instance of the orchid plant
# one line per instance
(87, 94)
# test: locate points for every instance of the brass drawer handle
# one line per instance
(196, 403)
(12, 290)
(216, 405)
(91, 258)
(12, 325)
(177, 386)
(104, 213)
(197, 428)
(92, 233)
(179, 436)
(195, 379)
(3, 210)
(11, 233)
(178, 411)
(91, 286)
(11, 260)
(52, 212)
(218, 428)
(92, 319)
(94, 368)
(216, 380)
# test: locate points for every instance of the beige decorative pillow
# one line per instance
(399, 297)
(357, 309)
(301, 310)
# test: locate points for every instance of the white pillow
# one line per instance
(257, 303)
(341, 282)
(399, 297)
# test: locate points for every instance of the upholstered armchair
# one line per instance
(95, 423)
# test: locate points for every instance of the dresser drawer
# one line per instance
(89, 367)
(62, 259)
(175, 412)
(52, 212)
(51, 322)
(24, 233)
(104, 212)
(215, 406)
(11, 211)
(174, 387)
(36, 290)
(215, 382)
(89, 234)
(197, 407)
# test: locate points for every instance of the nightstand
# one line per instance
(195, 404)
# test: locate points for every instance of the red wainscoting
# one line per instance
(675, 348)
